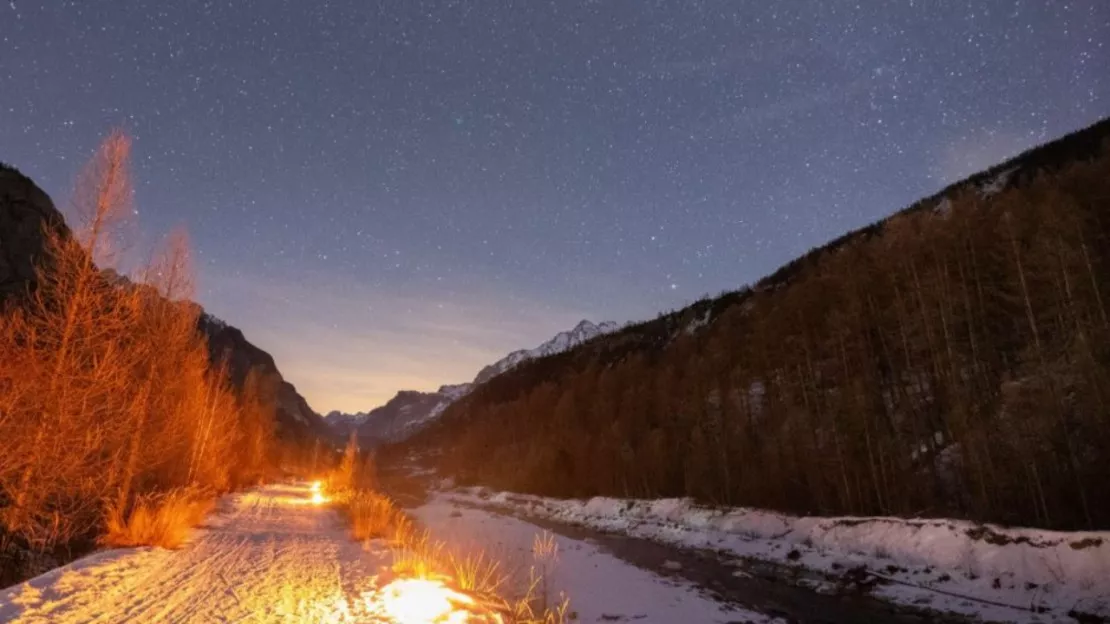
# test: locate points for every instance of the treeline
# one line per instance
(953, 360)
(107, 395)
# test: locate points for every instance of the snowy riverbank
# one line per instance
(599, 586)
(985, 571)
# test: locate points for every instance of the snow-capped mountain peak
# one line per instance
(410, 411)
(582, 332)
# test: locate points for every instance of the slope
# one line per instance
(952, 360)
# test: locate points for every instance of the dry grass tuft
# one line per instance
(537, 605)
(160, 520)
(373, 516)
(419, 556)
(477, 572)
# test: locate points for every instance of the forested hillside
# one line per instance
(952, 360)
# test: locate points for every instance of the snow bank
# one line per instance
(1044, 574)
(600, 587)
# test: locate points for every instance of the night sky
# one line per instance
(390, 194)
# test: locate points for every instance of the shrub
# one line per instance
(373, 516)
(157, 520)
(477, 572)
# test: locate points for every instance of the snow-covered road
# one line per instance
(270, 555)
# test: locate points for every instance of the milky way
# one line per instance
(391, 194)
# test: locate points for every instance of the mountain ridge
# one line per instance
(410, 410)
(581, 333)
(844, 381)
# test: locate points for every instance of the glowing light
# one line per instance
(423, 601)
(317, 489)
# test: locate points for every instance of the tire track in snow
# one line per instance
(270, 556)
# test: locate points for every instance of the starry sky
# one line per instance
(390, 194)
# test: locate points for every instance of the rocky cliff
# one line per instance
(228, 346)
(27, 213)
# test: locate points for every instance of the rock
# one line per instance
(26, 214)
(227, 346)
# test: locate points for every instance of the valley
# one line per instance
(632, 445)
(569, 312)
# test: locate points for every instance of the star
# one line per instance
(365, 164)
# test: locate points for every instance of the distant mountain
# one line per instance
(410, 410)
(406, 413)
(342, 423)
(562, 341)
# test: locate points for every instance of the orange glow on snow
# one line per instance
(423, 601)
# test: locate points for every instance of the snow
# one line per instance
(600, 587)
(944, 207)
(563, 341)
(410, 421)
(693, 326)
(399, 429)
(450, 394)
(268, 556)
(996, 183)
(455, 392)
(1023, 570)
